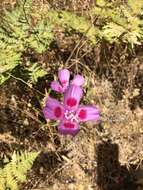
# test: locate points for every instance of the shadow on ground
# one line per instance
(110, 174)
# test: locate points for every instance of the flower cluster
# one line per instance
(69, 113)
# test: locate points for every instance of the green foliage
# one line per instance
(136, 6)
(120, 21)
(3, 78)
(80, 24)
(70, 21)
(15, 171)
(41, 36)
(26, 28)
(36, 72)
(17, 34)
(9, 58)
(14, 27)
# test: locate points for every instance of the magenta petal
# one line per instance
(88, 113)
(48, 114)
(78, 80)
(53, 109)
(68, 128)
(64, 76)
(55, 85)
(72, 97)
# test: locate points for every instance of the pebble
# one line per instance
(26, 122)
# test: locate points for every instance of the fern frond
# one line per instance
(41, 36)
(80, 24)
(9, 59)
(20, 164)
(70, 21)
(35, 72)
(11, 182)
(3, 78)
(15, 171)
(2, 180)
(112, 32)
(120, 21)
(136, 6)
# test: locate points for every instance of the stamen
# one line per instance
(70, 115)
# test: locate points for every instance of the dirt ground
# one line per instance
(104, 156)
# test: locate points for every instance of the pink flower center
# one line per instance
(58, 112)
(64, 82)
(71, 102)
(69, 125)
(82, 114)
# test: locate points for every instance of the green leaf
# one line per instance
(15, 171)
(36, 72)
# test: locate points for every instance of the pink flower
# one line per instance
(70, 113)
(64, 77)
